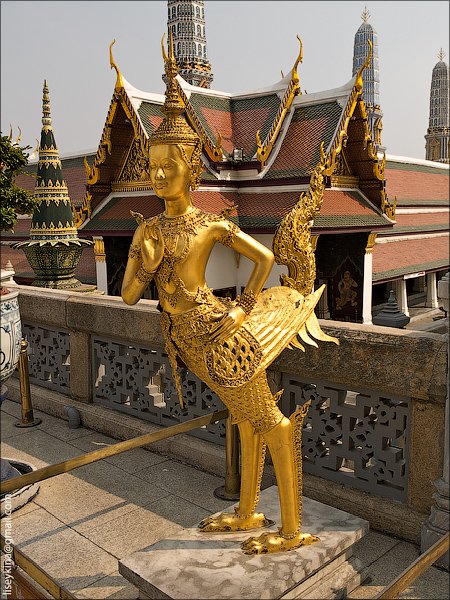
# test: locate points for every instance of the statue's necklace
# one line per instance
(178, 234)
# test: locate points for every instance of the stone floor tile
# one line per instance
(40, 448)
(130, 461)
(113, 587)
(27, 508)
(12, 408)
(134, 531)
(391, 564)
(8, 427)
(59, 428)
(373, 545)
(93, 495)
(179, 510)
(69, 557)
(187, 482)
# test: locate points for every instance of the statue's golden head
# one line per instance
(174, 129)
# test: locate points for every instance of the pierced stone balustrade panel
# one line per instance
(139, 382)
(48, 357)
(359, 439)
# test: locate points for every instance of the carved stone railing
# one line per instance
(376, 422)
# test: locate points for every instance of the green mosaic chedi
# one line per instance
(54, 248)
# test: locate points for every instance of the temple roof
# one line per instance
(257, 210)
(402, 257)
(417, 182)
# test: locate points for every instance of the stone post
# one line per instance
(80, 366)
(367, 282)
(100, 265)
(438, 522)
(402, 296)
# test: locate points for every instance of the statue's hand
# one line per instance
(228, 325)
(152, 247)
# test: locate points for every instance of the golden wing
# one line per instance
(292, 240)
(281, 318)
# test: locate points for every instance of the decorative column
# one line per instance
(432, 300)
(401, 296)
(438, 522)
(367, 281)
(100, 265)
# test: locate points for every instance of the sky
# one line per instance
(249, 43)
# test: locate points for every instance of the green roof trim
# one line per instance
(417, 228)
(418, 202)
(146, 110)
(395, 273)
(402, 166)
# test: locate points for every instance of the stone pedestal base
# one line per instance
(206, 566)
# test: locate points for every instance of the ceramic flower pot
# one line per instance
(11, 334)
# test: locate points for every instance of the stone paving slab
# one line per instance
(89, 501)
(131, 461)
(69, 557)
(386, 563)
(113, 587)
(186, 482)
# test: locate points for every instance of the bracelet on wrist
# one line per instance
(134, 251)
(145, 276)
(247, 302)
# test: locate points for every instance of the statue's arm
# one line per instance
(263, 260)
(144, 257)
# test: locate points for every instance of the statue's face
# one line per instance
(169, 173)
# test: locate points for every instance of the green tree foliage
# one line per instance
(14, 200)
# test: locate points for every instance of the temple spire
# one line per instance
(186, 23)
(371, 75)
(54, 248)
(438, 132)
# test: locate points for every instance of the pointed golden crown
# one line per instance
(174, 129)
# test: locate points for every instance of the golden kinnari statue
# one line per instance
(228, 345)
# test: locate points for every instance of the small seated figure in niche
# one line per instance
(227, 344)
(346, 292)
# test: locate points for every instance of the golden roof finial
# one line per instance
(366, 15)
(46, 116)
(295, 78)
(119, 81)
(174, 129)
(441, 54)
(359, 77)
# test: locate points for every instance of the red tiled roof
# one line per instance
(300, 149)
(255, 210)
(409, 256)
(437, 218)
(413, 185)
(236, 119)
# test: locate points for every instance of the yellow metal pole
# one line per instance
(86, 459)
(232, 487)
(27, 417)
